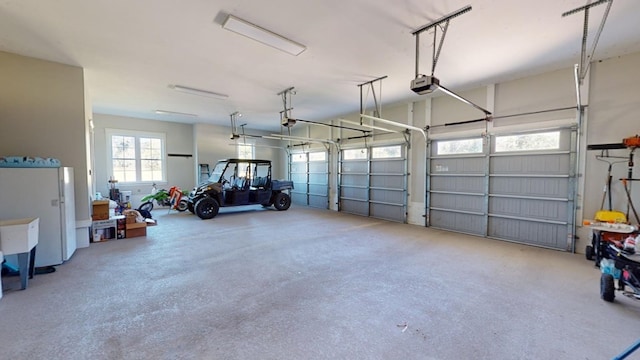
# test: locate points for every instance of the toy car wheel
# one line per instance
(146, 206)
(190, 207)
(588, 252)
(207, 208)
(182, 205)
(282, 201)
(607, 288)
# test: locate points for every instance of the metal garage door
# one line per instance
(514, 187)
(309, 172)
(458, 185)
(373, 182)
(531, 191)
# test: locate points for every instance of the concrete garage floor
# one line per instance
(313, 284)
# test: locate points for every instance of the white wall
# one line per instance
(612, 115)
(179, 140)
(42, 113)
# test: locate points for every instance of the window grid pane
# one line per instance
(151, 170)
(453, 147)
(137, 158)
(317, 156)
(528, 142)
(386, 152)
(355, 154)
(301, 157)
(245, 151)
(123, 147)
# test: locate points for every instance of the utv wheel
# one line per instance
(147, 206)
(190, 207)
(607, 288)
(182, 205)
(207, 208)
(282, 201)
(588, 252)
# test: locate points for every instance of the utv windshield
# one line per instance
(217, 172)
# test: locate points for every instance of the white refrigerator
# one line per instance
(48, 194)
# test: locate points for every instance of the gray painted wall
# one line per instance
(42, 113)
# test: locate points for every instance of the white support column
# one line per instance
(582, 147)
(491, 105)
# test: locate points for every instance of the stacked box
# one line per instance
(136, 229)
(103, 230)
(113, 228)
(130, 218)
(100, 210)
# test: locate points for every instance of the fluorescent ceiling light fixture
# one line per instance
(167, 112)
(199, 92)
(264, 36)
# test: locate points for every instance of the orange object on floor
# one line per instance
(175, 194)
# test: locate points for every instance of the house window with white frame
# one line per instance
(245, 151)
(136, 157)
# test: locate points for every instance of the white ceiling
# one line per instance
(132, 50)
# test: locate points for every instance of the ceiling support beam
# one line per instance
(436, 53)
(331, 125)
(377, 111)
(395, 123)
(286, 102)
(585, 60)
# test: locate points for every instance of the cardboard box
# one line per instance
(100, 210)
(103, 230)
(131, 218)
(136, 229)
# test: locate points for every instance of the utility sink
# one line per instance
(19, 235)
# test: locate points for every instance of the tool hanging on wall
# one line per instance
(610, 160)
(631, 143)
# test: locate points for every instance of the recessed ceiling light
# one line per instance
(200, 92)
(167, 112)
(262, 35)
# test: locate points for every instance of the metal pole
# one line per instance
(417, 55)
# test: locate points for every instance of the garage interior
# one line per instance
(445, 158)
